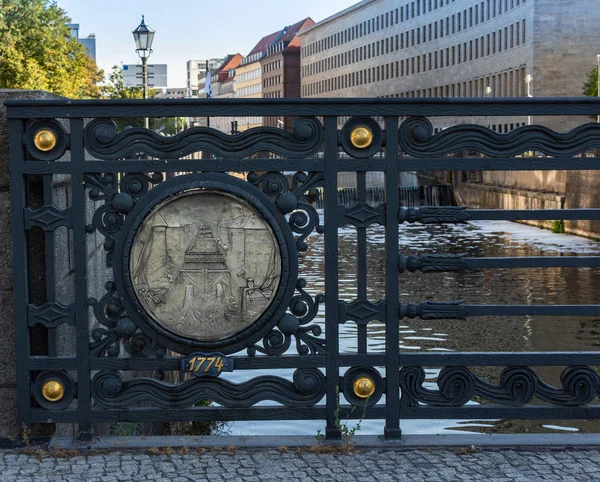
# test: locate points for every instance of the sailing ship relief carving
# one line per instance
(205, 265)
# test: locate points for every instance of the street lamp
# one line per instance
(598, 75)
(528, 80)
(488, 93)
(143, 36)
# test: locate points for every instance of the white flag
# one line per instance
(207, 86)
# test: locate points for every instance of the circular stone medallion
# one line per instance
(205, 265)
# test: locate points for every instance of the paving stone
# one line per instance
(270, 465)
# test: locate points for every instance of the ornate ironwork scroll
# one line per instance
(104, 142)
(118, 329)
(205, 265)
(208, 264)
(303, 220)
(518, 386)
(308, 387)
(416, 138)
(108, 218)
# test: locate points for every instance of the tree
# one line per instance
(590, 88)
(114, 88)
(38, 52)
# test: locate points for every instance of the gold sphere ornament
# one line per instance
(361, 137)
(364, 387)
(53, 390)
(45, 140)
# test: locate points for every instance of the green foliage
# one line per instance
(347, 431)
(114, 88)
(590, 88)
(37, 51)
(558, 227)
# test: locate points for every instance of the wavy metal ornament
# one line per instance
(517, 387)
(307, 388)
(104, 142)
(416, 138)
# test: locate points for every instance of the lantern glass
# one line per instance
(143, 36)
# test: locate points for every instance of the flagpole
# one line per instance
(208, 92)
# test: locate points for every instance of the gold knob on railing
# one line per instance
(361, 137)
(364, 387)
(53, 390)
(45, 140)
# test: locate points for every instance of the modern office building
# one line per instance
(281, 69)
(453, 48)
(88, 42)
(172, 93)
(196, 71)
(196, 88)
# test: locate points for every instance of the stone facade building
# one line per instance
(467, 48)
(453, 48)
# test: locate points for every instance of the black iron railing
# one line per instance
(110, 187)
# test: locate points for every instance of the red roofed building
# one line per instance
(281, 69)
(223, 87)
(248, 83)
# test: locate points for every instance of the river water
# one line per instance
(497, 286)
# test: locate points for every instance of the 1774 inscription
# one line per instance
(205, 265)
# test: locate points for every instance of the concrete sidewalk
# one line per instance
(234, 465)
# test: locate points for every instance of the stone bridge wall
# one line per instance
(63, 266)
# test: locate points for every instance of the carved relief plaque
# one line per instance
(205, 264)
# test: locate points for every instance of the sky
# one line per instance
(188, 29)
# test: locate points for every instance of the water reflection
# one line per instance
(489, 286)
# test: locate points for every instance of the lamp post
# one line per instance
(143, 36)
(528, 80)
(488, 93)
(598, 74)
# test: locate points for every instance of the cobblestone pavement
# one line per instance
(271, 465)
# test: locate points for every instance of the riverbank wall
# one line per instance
(531, 190)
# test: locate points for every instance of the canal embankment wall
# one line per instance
(533, 190)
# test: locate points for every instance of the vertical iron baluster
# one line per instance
(81, 294)
(361, 241)
(20, 269)
(49, 254)
(392, 423)
(331, 275)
